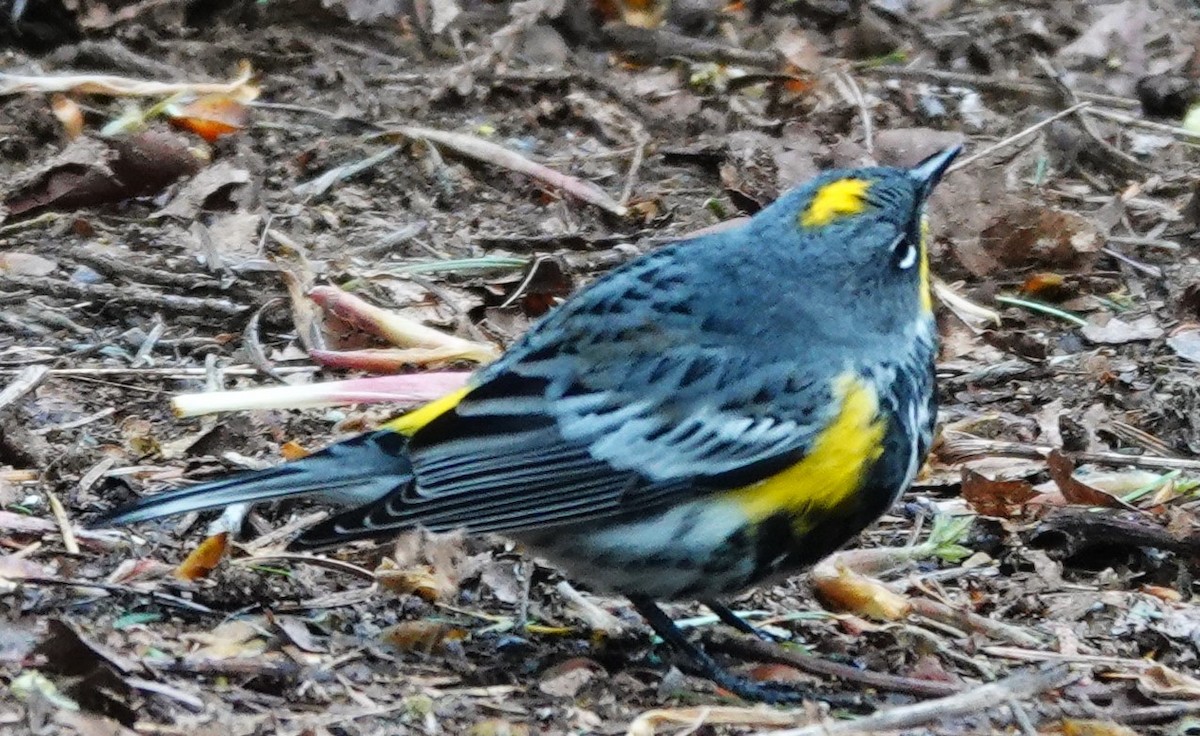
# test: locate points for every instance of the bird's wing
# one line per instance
(620, 404)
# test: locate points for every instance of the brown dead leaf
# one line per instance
(1093, 727)
(211, 116)
(1003, 499)
(1045, 285)
(910, 146)
(69, 115)
(498, 727)
(204, 559)
(1031, 235)
(1160, 681)
(422, 581)
(90, 172)
(503, 577)
(844, 590)
(426, 564)
(775, 672)
(566, 679)
(230, 640)
(422, 636)
(292, 450)
(213, 184)
(15, 569)
(295, 631)
(1074, 490)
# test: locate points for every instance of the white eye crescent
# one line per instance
(904, 253)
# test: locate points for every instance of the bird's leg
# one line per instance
(728, 616)
(743, 687)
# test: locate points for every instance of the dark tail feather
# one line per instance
(354, 472)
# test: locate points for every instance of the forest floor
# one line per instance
(389, 155)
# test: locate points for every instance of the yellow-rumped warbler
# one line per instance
(721, 411)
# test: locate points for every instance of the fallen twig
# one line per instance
(1043, 92)
(962, 164)
(404, 390)
(956, 448)
(658, 44)
(491, 153)
(14, 523)
(398, 330)
(108, 84)
(28, 379)
(1081, 528)
(321, 184)
(741, 646)
(695, 717)
(1015, 687)
(153, 595)
(1189, 136)
(596, 617)
(122, 295)
(64, 524)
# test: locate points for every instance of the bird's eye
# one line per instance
(905, 252)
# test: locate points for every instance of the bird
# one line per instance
(718, 413)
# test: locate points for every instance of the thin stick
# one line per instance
(1017, 136)
(995, 84)
(64, 524)
(1015, 687)
(596, 617)
(27, 380)
(1035, 655)
(864, 112)
(164, 598)
(1120, 117)
(768, 652)
(177, 373)
(958, 447)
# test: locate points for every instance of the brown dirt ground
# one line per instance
(267, 648)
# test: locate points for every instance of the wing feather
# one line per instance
(612, 407)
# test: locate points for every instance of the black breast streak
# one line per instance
(779, 548)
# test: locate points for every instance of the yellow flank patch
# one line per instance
(926, 298)
(835, 200)
(832, 472)
(409, 423)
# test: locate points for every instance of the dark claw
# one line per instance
(726, 614)
(743, 687)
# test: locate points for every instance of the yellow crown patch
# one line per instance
(835, 200)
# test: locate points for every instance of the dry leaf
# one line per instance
(1000, 498)
(25, 264)
(1074, 490)
(204, 559)
(420, 636)
(211, 116)
(1115, 331)
(1090, 727)
(1160, 681)
(230, 640)
(852, 592)
(422, 581)
(498, 727)
(566, 679)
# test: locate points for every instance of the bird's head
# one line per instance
(860, 234)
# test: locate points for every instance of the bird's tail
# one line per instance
(355, 472)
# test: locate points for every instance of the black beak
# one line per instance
(929, 172)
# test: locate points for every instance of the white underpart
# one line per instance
(682, 537)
